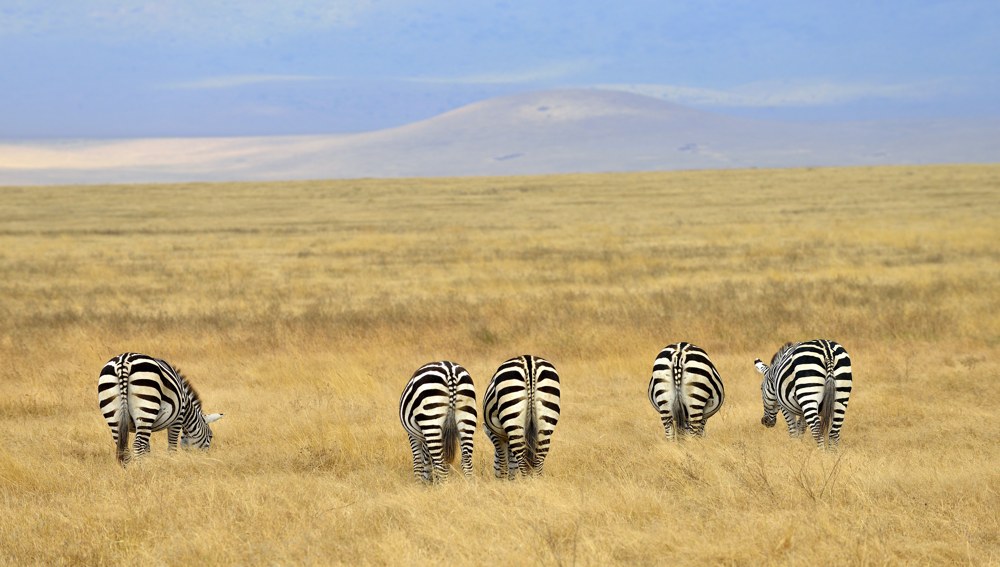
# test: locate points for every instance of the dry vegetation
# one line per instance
(300, 310)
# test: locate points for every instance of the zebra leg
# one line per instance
(518, 451)
(143, 429)
(839, 409)
(420, 458)
(466, 441)
(173, 435)
(544, 439)
(696, 420)
(696, 425)
(795, 423)
(810, 416)
(114, 435)
(668, 423)
(512, 466)
(434, 438)
(425, 462)
(834, 440)
(500, 455)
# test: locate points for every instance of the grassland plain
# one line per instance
(300, 309)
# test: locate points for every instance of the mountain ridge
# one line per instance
(555, 131)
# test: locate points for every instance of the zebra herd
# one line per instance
(810, 382)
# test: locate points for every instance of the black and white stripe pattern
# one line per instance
(810, 383)
(520, 413)
(438, 411)
(144, 394)
(685, 389)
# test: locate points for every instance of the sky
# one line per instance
(114, 69)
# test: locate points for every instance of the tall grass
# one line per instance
(300, 309)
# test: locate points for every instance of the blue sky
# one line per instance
(108, 68)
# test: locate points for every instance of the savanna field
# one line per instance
(300, 309)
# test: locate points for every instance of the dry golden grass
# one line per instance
(301, 309)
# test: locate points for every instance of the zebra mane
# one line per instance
(784, 348)
(194, 393)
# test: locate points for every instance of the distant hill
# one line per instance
(560, 131)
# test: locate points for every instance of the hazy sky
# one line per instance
(109, 68)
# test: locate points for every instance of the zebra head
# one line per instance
(768, 397)
(199, 434)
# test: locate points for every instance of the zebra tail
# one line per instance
(826, 407)
(123, 418)
(450, 435)
(531, 438)
(677, 409)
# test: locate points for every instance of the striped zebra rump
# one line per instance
(810, 383)
(438, 412)
(685, 389)
(521, 409)
(144, 394)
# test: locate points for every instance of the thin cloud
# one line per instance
(789, 94)
(541, 74)
(237, 81)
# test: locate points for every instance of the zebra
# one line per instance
(810, 382)
(143, 394)
(520, 413)
(685, 389)
(438, 412)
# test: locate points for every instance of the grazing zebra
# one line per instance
(520, 412)
(145, 394)
(811, 383)
(438, 411)
(685, 389)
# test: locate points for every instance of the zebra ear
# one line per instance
(761, 367)
(213, 417)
